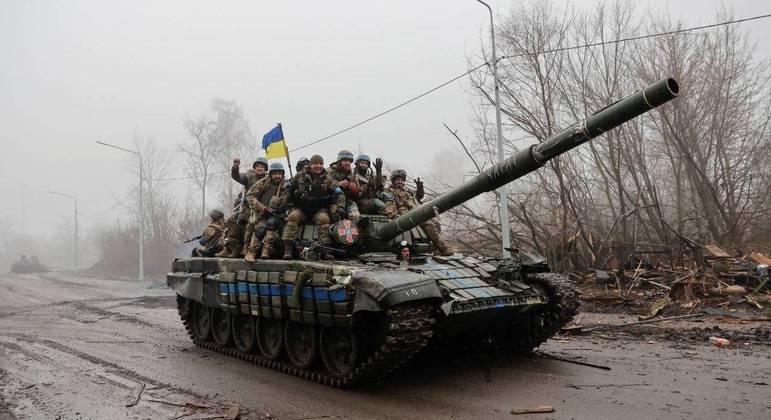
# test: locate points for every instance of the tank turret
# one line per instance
(530, 159)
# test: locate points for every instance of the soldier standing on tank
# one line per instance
(310, 193)
(370, 185)
(342, 175)
(237, 238)
(400, 200)
(267, 200)
(209, 241)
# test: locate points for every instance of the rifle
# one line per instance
(192, 239)
(241, 207)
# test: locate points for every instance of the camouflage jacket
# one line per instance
(212, 233)
(264, 194)
(335, 174)
(397, 201)
(247, 179)
(369, 185)
(310, 192)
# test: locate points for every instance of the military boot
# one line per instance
(249, 257)
(224, 253)
(235, 251)
(267, 243)
(443, 249)
(288, 250)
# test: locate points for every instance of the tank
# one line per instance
(360, 316)
(28, 265)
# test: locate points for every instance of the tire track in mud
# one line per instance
(110, 366)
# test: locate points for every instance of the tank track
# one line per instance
(409, 328)
(562, 307)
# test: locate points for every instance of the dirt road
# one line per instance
(88, 348)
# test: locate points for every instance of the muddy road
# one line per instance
(75, 347)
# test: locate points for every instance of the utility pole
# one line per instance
(141, 276)
(75, 200)
(503, 192)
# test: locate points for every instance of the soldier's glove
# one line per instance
(419, 192)
(379, 164)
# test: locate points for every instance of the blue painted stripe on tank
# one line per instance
(222, 287)
(338, 295)
(243, 288)
(264, 289)
(307, 293)
(275, 290)
(252, 289)
(321, 293)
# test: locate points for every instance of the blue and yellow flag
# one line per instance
(273, 143)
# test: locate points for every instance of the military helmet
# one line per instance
(344, 154)
(276, 166)
(303, 160)
(399, 173)
(260, 161)
(216, 214)
(363, 157)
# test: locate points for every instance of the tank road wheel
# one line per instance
(220, 321)
(339, 350)
(301, 344)
(244, 333)
(201, 322)
(270, 337)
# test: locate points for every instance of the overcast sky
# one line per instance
(77, 71)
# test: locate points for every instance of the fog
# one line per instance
(75, 72)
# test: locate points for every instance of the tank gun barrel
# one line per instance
(529, 159)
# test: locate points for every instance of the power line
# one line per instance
(113, 207)
(393, 108)
(636, 38)
(595, 44)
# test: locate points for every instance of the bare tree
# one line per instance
(201, 154)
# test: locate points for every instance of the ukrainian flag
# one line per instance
(273, 143)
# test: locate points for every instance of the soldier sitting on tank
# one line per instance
(267, 200)
(399, 200)
(209, 241)
(237, 237)
(370, 185)
(342, 175)
(311, 194)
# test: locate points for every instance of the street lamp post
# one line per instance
(75, 200)
(503, 191)
(141, 210)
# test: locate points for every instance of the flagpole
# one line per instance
(286, 151)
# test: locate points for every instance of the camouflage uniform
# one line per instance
(335, 174)
(311, 195)
(370, 186)
(210, 238)
(265, 194)
(401, 200)
(236, 241)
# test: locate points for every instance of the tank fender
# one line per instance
(187, 285)
(388, 288)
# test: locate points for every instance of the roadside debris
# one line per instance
(719, 342)
(137, 396)
(534, 410)
(713, 279)
(577, 362)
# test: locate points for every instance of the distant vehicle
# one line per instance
(28, 265)
(357, 318)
